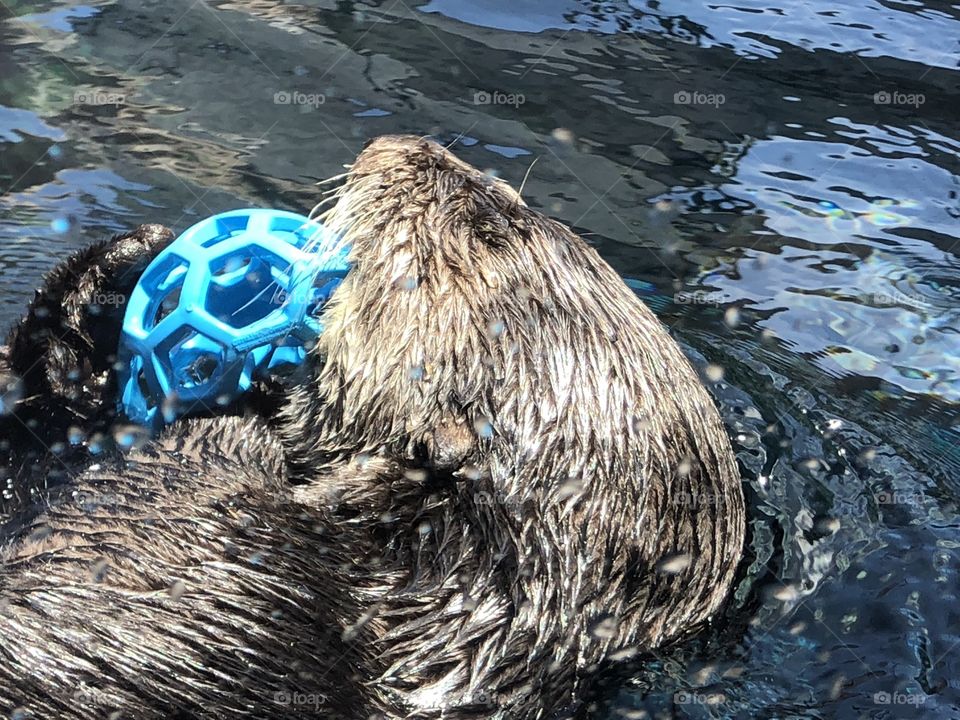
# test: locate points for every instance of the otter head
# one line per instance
(577, 480)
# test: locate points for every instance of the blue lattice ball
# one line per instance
(235, 296)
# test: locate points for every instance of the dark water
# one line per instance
(785, 175)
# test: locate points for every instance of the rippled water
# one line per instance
(784, 177)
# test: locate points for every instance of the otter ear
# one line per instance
(62, 350)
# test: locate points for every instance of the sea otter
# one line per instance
(496, 477)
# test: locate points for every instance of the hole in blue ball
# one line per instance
(244, 287)
(200, 370)
(166, 306)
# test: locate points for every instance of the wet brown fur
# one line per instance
(504, 475)
(594, 445)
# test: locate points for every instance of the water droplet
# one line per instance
(732, 317)
(176, 590)
(129, 437)
(11, 392)
(624, 654)
(60, 225)
(734, 672)
(95, 446)
(604, 628)
(99, 570)
(75, 435)
(415, 474)
(41, 534)
(361, 460)
(786, 593)
(828, 525)
(483, 427)
(563, 135)
(572, 486)
(495, 328)
(674, 564)
(714, 373)
(169, 408)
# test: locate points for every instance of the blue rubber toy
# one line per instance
(234, 298)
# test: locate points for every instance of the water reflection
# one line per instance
(751, 28)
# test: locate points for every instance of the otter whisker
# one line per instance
(334, 178)
(460, 137)
(328, 196)
(526, 175)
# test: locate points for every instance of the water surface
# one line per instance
(784, 176)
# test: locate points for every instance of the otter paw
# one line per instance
(57, 359)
